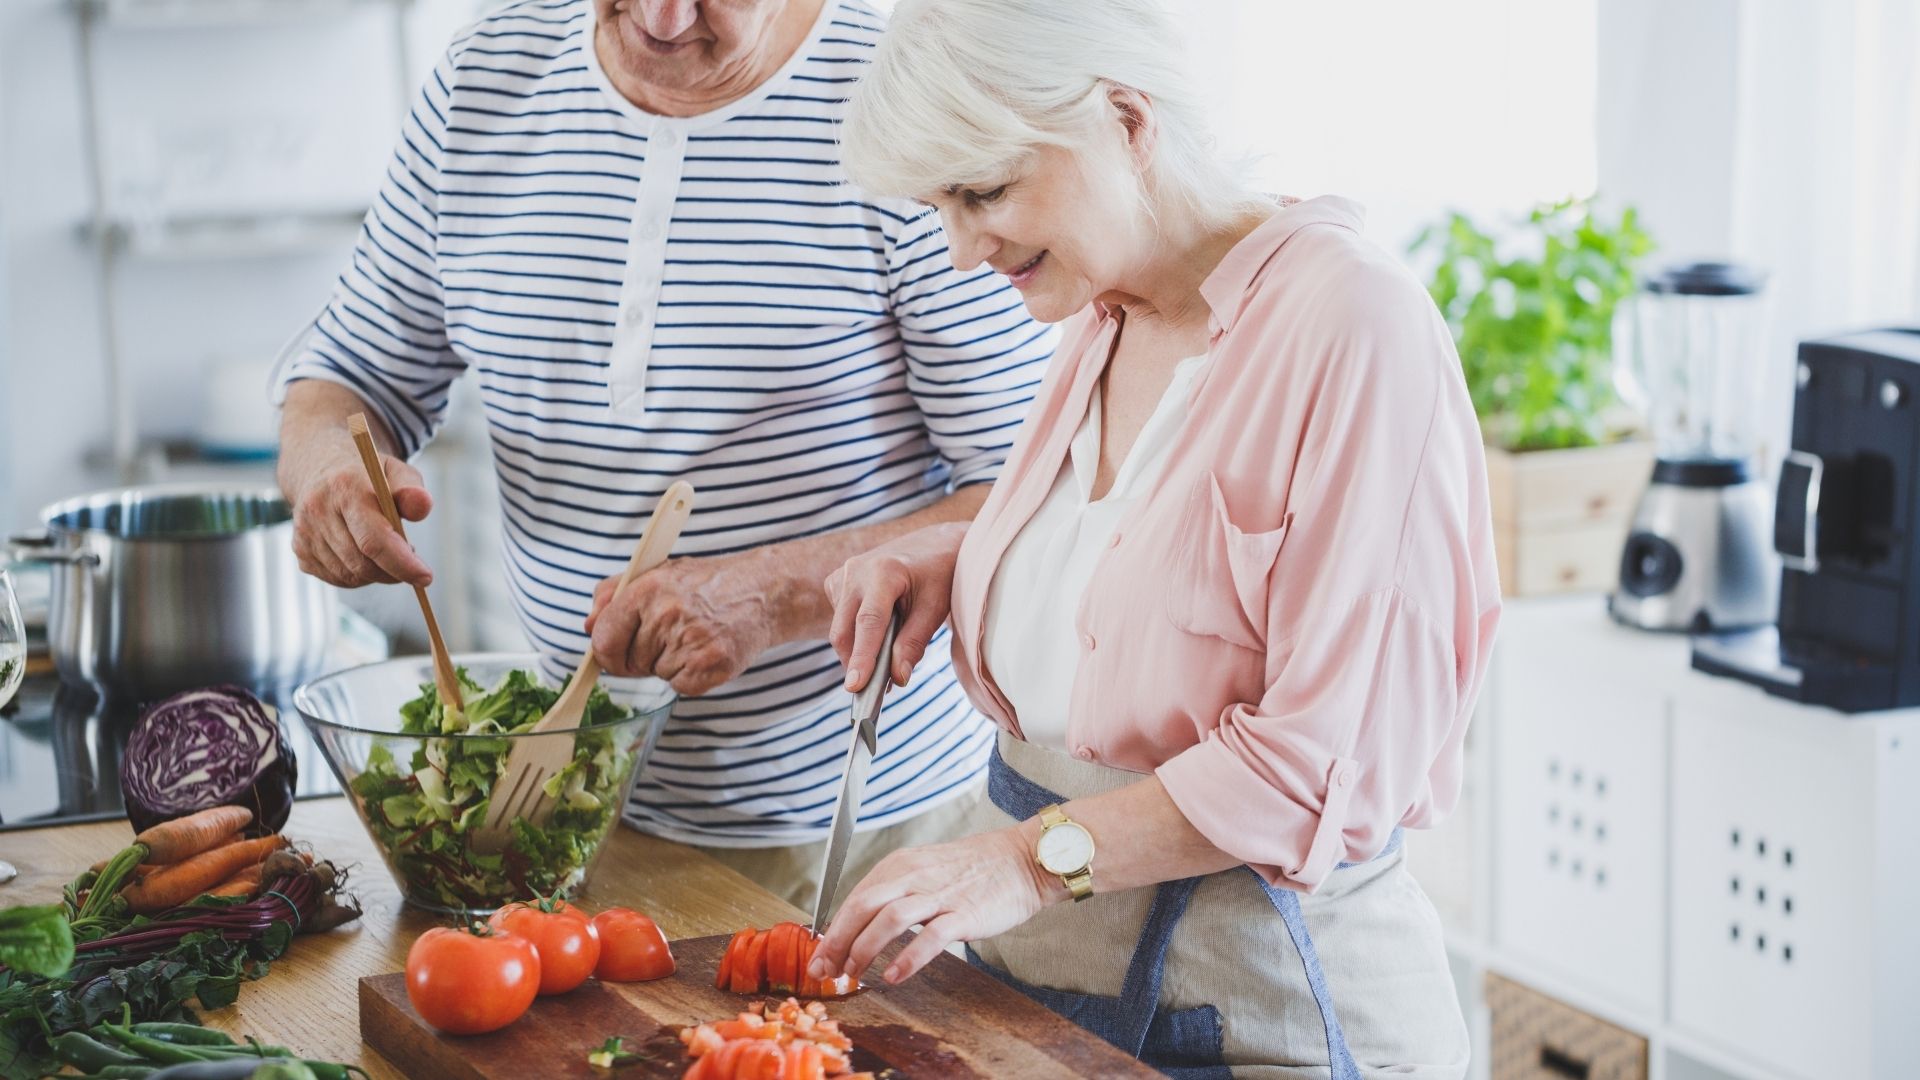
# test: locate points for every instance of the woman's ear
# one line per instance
(1135, 113)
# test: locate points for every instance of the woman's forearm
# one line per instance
(1140, 837)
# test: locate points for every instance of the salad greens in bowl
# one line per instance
(420, 775)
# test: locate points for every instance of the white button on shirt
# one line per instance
(1033, 643)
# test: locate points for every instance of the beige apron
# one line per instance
(1222, 976)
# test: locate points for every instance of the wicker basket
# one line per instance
(1538, 1038)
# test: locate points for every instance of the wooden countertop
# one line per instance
(309, 1002)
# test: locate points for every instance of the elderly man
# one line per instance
(629, 218)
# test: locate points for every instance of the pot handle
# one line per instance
(38, 548)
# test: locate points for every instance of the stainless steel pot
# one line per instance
(164, 588)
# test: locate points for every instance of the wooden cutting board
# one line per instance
(949, 1022)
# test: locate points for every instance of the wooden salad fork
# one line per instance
(521, 790)
(445, 679)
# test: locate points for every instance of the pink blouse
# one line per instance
(1290, 628)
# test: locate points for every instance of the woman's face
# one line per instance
(1064, 227)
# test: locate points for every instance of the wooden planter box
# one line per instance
(1561, 516)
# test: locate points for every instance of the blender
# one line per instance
(1699, 556)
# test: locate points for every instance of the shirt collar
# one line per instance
(1226, 289)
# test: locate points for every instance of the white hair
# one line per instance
(962, 91)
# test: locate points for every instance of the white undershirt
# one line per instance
(1032, 647)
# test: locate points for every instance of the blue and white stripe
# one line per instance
(645, 299)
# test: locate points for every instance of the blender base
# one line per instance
(1699, 557)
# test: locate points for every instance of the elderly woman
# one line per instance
(1230, 601)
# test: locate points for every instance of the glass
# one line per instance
(13, 641)
(1693, 364)
(422, 834)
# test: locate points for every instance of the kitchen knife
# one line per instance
(866, 722)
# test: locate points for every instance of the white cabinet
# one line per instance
(1781, 857)
(1580, 804)
(1733, 876)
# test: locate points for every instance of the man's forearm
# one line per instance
(313, 431)
(801, 566)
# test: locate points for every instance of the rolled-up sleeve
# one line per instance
(1381, 607)
(974, 354)
(1288, 785)
(383, 334)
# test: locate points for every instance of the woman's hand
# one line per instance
(912, 573)
(963, 890)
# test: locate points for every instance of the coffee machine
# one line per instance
(1699, 555)
(1849, 628)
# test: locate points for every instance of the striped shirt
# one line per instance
(644, 299)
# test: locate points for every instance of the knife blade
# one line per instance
(846, 810)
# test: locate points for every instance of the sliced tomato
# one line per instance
(750, 965)
(759, 1060)
(804, 1062)
(803, 945)
(724, 979)
(782, 955)
(727, 1062)
(776, 941)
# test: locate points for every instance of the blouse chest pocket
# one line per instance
(1218, 584)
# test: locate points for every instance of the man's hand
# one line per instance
(695, 622)
(340, 534)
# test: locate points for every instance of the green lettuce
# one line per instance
(424, 804)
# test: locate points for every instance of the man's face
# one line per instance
(684, 45)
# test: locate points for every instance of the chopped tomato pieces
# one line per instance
(767, 1041)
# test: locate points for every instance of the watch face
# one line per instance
(1065, 849)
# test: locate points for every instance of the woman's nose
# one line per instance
(969, 247)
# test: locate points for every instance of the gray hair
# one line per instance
(961, 91)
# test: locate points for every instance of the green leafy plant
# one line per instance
(1532, 314)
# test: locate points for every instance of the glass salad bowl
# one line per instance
(420, 780)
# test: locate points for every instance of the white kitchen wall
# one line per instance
(289, 113)
(1778, 133)
(1410, 107)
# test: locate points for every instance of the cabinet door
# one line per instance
(1773, 943)
(1580, 807)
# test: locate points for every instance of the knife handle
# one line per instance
(867, 701)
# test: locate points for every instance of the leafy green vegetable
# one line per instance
(36, 940)
(423, 809)
(1535, 328)
(202, 968)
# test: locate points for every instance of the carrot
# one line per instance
(175, 885)
(182, 838)
(244, 883)
(143, 869)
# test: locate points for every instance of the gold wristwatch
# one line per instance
(1065, 848)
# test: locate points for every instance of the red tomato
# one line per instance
(467, 982)
(565, 937)
(632, 948)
